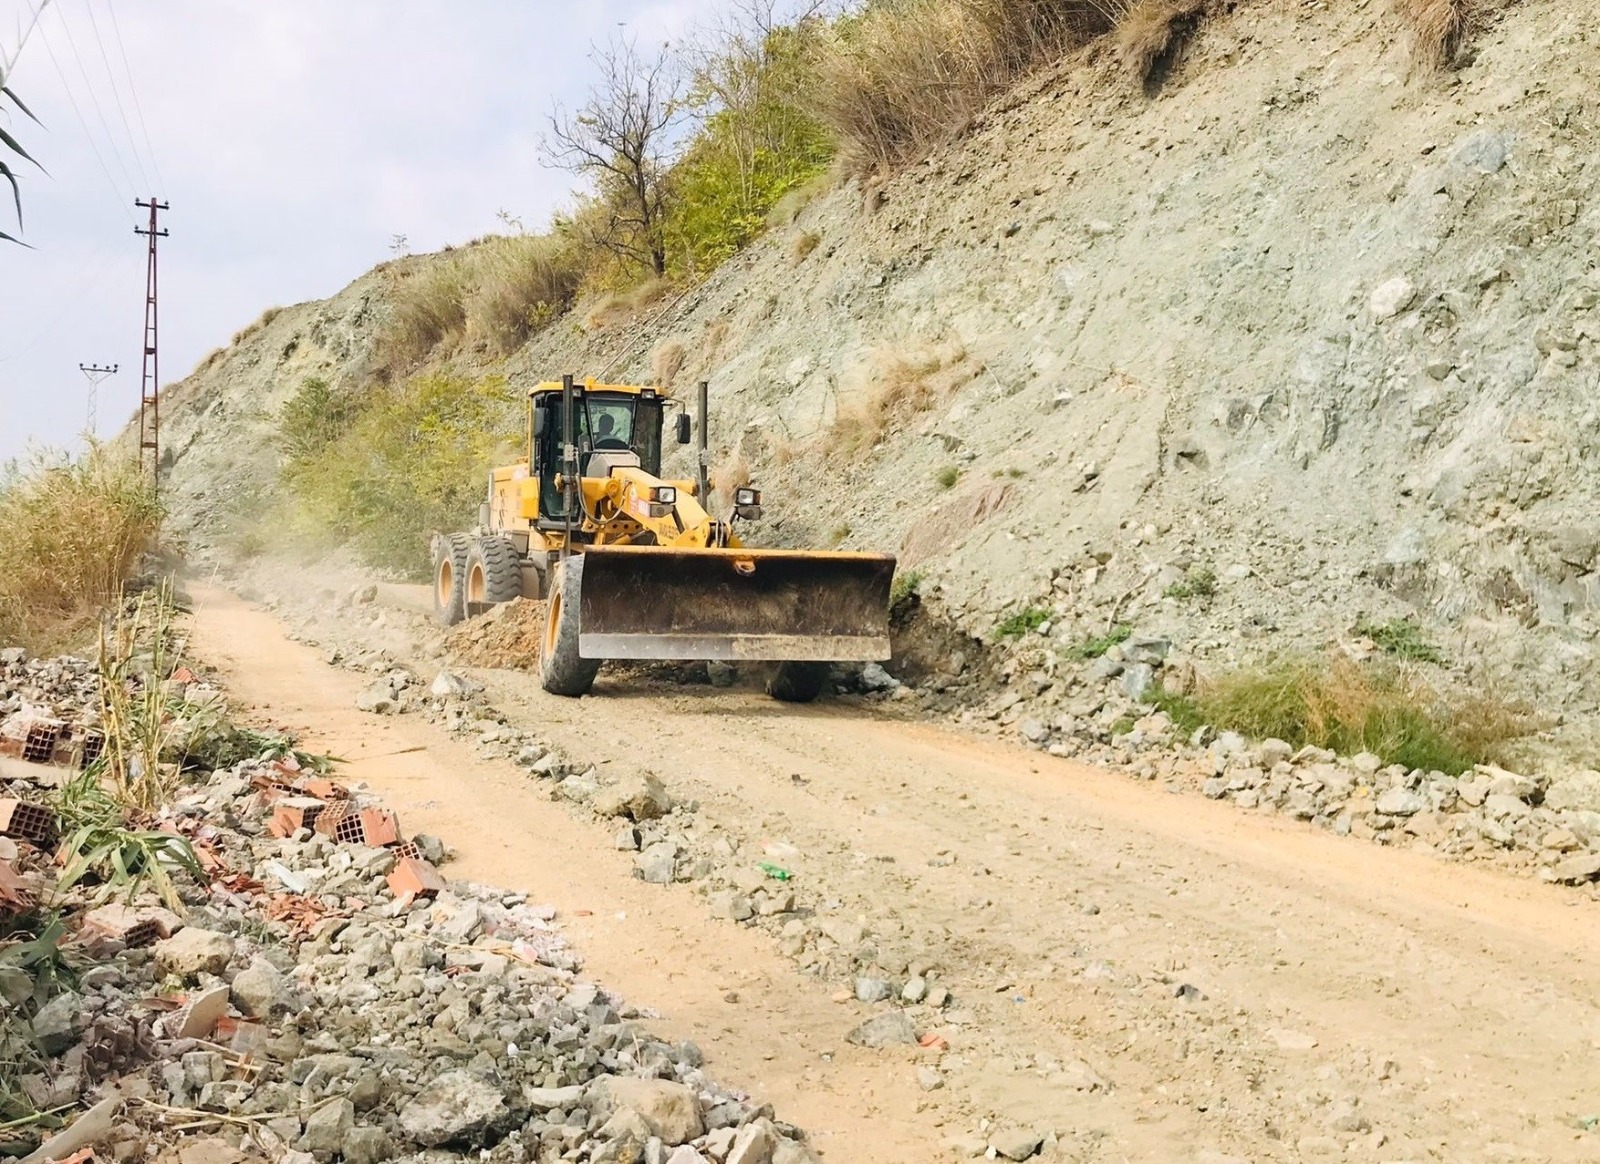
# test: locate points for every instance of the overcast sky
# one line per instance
(293, 139)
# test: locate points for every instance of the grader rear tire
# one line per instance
(561, 670)
(797, 682)
(494, 572)
(449, 578)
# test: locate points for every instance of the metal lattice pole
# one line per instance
(95, 374)
(150, 375)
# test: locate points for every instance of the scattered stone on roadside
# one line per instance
(459, 1107)
(193, 950)
(638, 796)
(885, 1030)
(1013, 1143)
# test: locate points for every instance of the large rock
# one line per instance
(1579, 792)
(327, 1128)
(1579, 869)
(639, 797)
(1400, 802)
(194, 951)
(658, 864)
(53, 1025)
(754, 1145)
(885, 1030)
(671, 1109)
(262, 990)
(457, 1108)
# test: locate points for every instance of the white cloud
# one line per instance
(295, 138)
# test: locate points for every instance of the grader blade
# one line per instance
(650, 602)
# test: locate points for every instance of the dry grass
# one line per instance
(1152, 31)
(1352, 707)
(1438, 28)
(625, 306)
(71, 533)
(804, 243)
(265, 318)
(716, 336)
(904, 77)
(899, 384)
(428, 310)
(667, 361)
(518, 286)
(732, 472)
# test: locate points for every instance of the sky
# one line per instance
(293, 139)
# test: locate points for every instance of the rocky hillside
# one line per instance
(1301, 319)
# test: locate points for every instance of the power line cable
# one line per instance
(133, 91)
(123, 200)
(94, 99)
(116, 94)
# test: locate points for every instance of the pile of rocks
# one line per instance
(314, 1006)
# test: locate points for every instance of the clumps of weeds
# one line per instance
(900, 383)
(906, 585)
(1198, 582)
(1401, 638)
(1097, 645)
(1349, 707)
(1152, 32)
(947, 477)
(804, 243)
(1023, 622)
(838, 534)
(1439, 28)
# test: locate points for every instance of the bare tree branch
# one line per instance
(621, 139)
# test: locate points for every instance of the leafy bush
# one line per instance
(1350, 707)
(71, 533)
(314, 418)
(411, 463)
(1023, 622)
(947, 477)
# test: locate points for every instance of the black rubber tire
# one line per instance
(561, 670)
(449, 578)
(797, 682)
(494, 572)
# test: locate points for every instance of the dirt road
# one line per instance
(1151, 975)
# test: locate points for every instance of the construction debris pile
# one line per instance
(319, 993)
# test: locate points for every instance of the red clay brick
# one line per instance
(132, 927)
(414, 877)
(331, 815)
(27, 822)
(295, 813)
(324, 789)
(376, 827)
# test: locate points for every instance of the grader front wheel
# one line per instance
(562, 671)
(449, 578)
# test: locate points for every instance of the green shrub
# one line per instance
(1401, 638)
(1095, 647)
(1023, 622)
(906, 583)
(314, 418)
(1349, 707)
(412, 462)
(947, 477)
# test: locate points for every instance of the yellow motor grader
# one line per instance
(633, 566)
